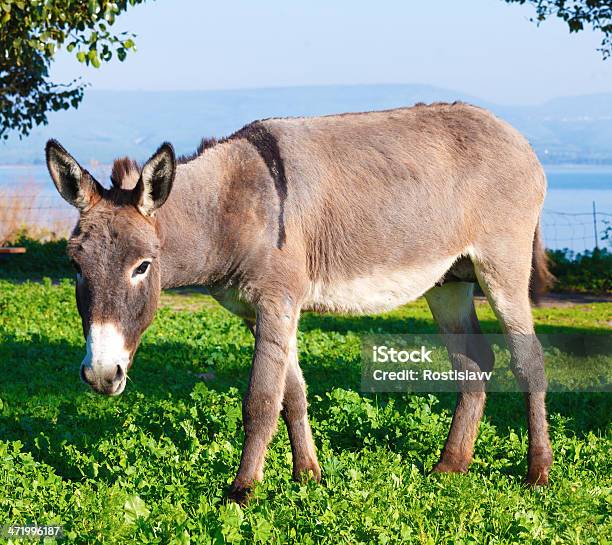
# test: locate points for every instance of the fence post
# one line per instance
(595, 225)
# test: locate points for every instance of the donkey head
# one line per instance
(115, 249)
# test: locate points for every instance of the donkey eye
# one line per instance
(142, 268)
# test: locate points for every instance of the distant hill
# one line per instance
(115, 123)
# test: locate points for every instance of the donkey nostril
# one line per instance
(118, 375)
(113, 376)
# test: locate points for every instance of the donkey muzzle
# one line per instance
(110, 381)
(105, 365)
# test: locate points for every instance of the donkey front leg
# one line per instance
(295, 415)
(275, 333)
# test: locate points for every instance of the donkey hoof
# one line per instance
(539, 462)
(239, 494)
(451, 464)
(450, 467)
(537, 477)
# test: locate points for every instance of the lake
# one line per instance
(567, 220)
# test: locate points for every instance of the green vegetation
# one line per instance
(41, 260)
(590, 271)
(151, 466)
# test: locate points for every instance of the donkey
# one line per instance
(350, 213)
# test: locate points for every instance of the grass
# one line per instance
(151, 466)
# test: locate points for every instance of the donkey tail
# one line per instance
(541, 278)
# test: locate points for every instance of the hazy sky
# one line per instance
(483, 47)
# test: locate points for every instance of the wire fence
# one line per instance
(576, 231)
(44, 215)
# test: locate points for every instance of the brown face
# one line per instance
(115, 251)
(116, 255)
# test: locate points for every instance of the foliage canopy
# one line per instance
(30, 34)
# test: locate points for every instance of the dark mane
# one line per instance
(211, 142)
(204, 145)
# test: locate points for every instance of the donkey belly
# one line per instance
(380, 291)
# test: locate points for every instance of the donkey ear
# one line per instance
(74, 183)
(156, 179)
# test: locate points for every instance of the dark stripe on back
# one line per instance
(267, 146)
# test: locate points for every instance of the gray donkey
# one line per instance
(353, 213)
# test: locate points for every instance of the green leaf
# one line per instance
(81, 57)
(93, 58)
(262, 529)
(231, 517)
(135, 508)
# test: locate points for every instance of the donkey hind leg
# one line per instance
(295, 415)
(505, 281)
(452, 306)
